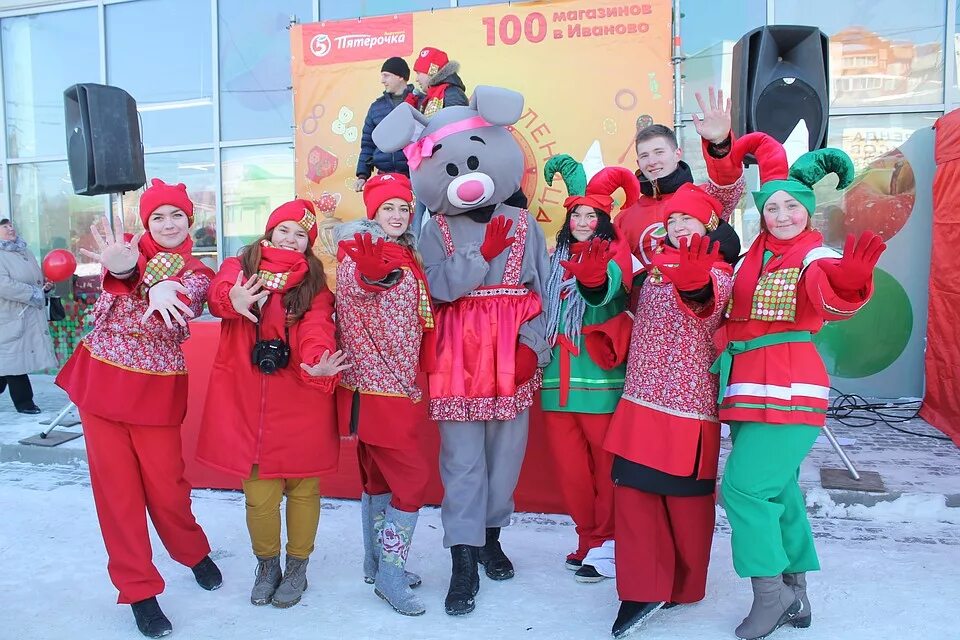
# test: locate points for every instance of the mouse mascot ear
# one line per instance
(497, 105)
(402, 126)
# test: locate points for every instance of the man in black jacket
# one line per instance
(394, 75)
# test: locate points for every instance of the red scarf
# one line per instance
(396, 251)
(281, 269)
(787, 254)
(158, 263)
(435, 94)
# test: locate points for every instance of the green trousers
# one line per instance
(764, 504)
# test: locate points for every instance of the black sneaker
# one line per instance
(669, 605)
(30, 409)
(631, 616)
(150, 619)
(588, 573)
(572, 563)
(207, 574)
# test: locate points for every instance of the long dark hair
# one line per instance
(604, 230)
(299, 299)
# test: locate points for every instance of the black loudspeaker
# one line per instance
(104, 148)
(780, 77)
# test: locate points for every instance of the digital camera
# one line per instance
(270, 355)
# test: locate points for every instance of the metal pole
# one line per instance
(843, 456)
(676, 59)
(56, 421)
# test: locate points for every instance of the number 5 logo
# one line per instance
(320, 45)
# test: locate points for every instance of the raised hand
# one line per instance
(855, 269)
(329, 364)
(695, 261)
(115, 254)
(495, 240)
(588, 263)
(368, 256)
(164, 299)
(715, 125)
(243, 295)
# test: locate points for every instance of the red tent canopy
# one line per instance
(941, 402)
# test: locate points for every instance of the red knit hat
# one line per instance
(160, 193)
(300, 211)
(430, 60)
(383, 187)
(694, 201)
(601, 187)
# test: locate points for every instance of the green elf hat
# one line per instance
(574, 177)
(809, 169)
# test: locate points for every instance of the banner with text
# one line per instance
(590, 73)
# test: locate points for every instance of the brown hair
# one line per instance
(656, 131)
(299, 299)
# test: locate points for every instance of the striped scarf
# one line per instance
(558, 290)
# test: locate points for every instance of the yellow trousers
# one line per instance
(263, 514)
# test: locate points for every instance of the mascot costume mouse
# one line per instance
(486, 265)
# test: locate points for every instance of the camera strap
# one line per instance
(286, 328)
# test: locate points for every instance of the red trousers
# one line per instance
(135, 469)
(663, 546)
(583, 472)
(401, 472)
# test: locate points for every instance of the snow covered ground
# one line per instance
(889, 572)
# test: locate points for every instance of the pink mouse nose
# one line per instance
(470, 190)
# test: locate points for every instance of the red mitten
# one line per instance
(588, 262)
(696, 260)
(855, 269)
(495, 240)
(607, 343)
(525, 364)
(368, 256)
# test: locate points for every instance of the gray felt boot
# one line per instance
(392, 584)
(774, 604)
(371, 519)
(799, 583)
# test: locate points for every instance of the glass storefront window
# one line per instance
(48, 214)
(255, 100)
(708, 31)
(169, 73)
(883, 193)
(196, 170)
(256, 180)
(880, 53)
(43, 54)
(338, 9)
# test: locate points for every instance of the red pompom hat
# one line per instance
(601, 187)
(430, 60)
(694, 201)
(300, 211)
(383, 187)
(160, 193)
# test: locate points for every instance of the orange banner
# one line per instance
(590, 72)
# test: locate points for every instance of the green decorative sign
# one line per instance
(873, 339)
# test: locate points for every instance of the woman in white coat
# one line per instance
(25, 344)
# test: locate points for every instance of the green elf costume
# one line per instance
(589, 329)
(774, 387)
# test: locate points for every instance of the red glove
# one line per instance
(495, 241)
(368, 256)
(588, 262)
(525, 365)
(855, 269)
(696, 260)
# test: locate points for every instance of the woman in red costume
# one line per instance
(269, 416)
(129, 382)
(385, 325)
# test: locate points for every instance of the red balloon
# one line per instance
(59, 265)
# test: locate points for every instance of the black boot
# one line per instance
(464, 580)
(495, 562)
(207, 574)
(150, 619)
(631, 616)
